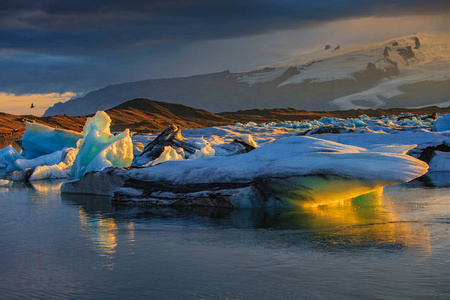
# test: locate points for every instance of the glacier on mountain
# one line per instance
(392, 73)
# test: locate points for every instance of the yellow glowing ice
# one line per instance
(314, 191)
(367, 220)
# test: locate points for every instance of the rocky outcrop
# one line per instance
(372, 74)
(406, 52)
(417, 43)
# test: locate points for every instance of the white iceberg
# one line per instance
(291, 171)
(100, 149)
(40, 139)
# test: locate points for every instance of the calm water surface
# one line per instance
(394, 245)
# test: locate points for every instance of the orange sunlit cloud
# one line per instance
(21, 104)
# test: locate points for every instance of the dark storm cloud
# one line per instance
(93, 25)
(79, 45)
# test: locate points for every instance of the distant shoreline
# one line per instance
(148, 116)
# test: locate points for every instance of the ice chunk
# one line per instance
(359, 123)
(168, 154)
(60, 170)
(442, 124)
(40, 139)
(24, 164)
(248, 139)
(8, 155)
(440, 161)
(206, 151)
(138, 147)
(100, 149)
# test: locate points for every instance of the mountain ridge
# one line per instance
(408, 71)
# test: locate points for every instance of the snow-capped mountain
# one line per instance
(409, 71)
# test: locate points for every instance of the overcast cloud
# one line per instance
(60, 46)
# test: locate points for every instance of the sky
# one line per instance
(53, 50)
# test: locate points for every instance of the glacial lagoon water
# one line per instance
(391, 245)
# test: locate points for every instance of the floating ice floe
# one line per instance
(291, 171)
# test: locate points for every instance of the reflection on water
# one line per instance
(46, 186)
(99, 224)
(364, 222)
(433, 180)
(101, 230)
(81, 247)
